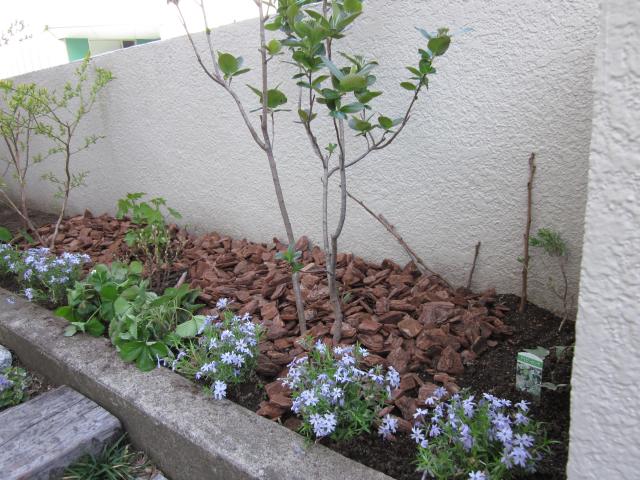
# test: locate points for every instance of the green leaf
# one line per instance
(129, 351)
(190, 327)
(94, 327)
(359, 124)
(121, 306)
(408, 86)
(146, 360)
(228, 63)
(352, 108)
(353, 82)
(70, 331)
(385, 122)
(5, 235)
(367, 96)
(439, 45)
(135, 268)
(275, 98)
(335, 71)
(109, 292)
(353, 6)
(274, 47)
(65, 312)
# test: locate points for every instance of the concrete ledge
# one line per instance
(189, 436)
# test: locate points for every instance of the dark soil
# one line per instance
(38, 385)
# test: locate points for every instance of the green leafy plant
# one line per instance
(346, 92)
(116, 462)
(225, 350)
(555, 247)
(20, 107)
(292, 257)
(478, 439)
(141, 324)
(62, 115)
(337, 398)
(91, 303)
(14, 382)
(151, 239)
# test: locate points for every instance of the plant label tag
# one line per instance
(529, 372)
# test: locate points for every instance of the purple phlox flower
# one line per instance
(523, 440)
(211, 367)
(222, 303)
(376, 376)
(393, 377)
(465, 437)
(321, 347)
(11, 300)
(342, 375)
(342, 349)
(207, 321)
(213, 343)
(5, 383)
(430, 401)
(363, 352)
(519, 456)
(435, 431)
(336, 394)
(523, 405)
(440, 392)
(420, 412)
(347, 360)
(28, 292)
(477, 475)
(417, 434)
(468, 406)
(505, 435)
(323, 425)
(309, 398)
(181, 354)
(388, 426)
(520, 419)
(219, 390)
(227, 336)
(506, 459)
(232, 358)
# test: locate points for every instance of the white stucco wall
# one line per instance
(520, 81)
(605, 417)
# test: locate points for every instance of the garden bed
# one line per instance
(432, 334)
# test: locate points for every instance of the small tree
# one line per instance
(61, 116)
(553, 245)
(346, 93)
(20, 107)
(222, 68)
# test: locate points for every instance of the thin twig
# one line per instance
(527, 234)
(473, 266)
(393, 231)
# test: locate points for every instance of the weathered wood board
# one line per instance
(40, 438)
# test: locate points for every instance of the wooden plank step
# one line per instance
(40, 438)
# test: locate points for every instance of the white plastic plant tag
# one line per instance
(529, 371)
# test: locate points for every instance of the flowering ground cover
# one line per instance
(435, 338)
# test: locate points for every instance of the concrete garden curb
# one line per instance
(189, 436)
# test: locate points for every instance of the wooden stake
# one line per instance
(473, 267)
(527, 234)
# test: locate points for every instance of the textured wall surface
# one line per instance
(604, 402)
(520, 81)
